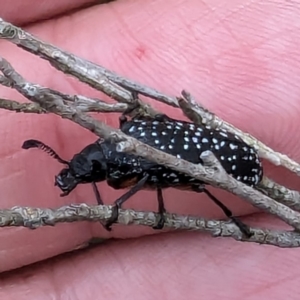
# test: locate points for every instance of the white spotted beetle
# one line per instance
(100, 161)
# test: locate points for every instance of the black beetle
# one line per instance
(100, 161)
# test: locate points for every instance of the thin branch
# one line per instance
(86, 71)
(211, 173)
(280, 193)
(194, 110)
(33, 218)
(5, 82)
(21, 107)
(86, 104)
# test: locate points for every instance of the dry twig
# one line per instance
(21, 107)
(33, 218)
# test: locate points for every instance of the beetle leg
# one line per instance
(161, 209)
(162, 118)
(120, 201)
(243, 227)
(97, 194)
(122, 120)
(99, 201)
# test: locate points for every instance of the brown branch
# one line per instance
(290, 198)
(21, 107)
(212, 173)
(33, 218)
(86, 104)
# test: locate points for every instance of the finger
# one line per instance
(184, 62)
(33, 11)
(172, 265)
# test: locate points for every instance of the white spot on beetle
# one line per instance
(197, 133)
(163, 133)
(233, 168)
(143, 133)
(204, 140)
(223, 134)
(217, 147)
(162, 147)
(233, 156)
(186, 139)
(198, 146)
(222, 144)
(195, 140)
(245, 178)
(154, 133)
(233, 146)
(170, 146)
(215, 141)
(186, 147)
(178, 156)
(132, 129)
(222, 157)
(156, 142)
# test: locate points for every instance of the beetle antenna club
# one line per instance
(37, 144)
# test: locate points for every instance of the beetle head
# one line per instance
(86, 167)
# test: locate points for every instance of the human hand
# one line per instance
(239, 60)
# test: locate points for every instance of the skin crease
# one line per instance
(240, 59)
